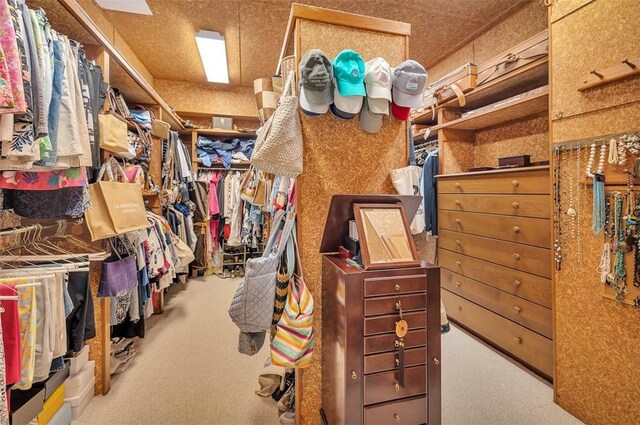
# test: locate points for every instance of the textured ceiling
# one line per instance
(254, 30)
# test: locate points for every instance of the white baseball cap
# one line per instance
(349, 105)
(310, 108)
(378, 83)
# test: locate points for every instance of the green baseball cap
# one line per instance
(348, 70)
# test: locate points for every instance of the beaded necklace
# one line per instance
(618, 283)
(557, 209)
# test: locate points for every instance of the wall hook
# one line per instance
(629, 63)
(597, 74)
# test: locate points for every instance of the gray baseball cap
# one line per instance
(369, 122)
(316, 77)
(409, 79)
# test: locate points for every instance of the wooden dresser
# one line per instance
(360, 374)
(495, 253)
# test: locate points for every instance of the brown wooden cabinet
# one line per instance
(360, 382)
(494, 248)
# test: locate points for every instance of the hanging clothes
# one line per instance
(430, 189)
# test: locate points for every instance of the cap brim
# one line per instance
(309, 108)
(370, 122)
(400, 112)
(340, 114)
(347, 104)
(319, 97)
(375, 91)
(378, 106)
(350, 89)
(401, 98)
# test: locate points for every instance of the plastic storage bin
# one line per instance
(79, 361)
(80, 402)
(76, 384)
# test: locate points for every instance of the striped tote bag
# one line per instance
(292, 346)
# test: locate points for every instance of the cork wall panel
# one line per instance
(530, 137)
(427, 247)
(596, 339)
(579, 48)
(339, 158)
(96, 347)
(208, 98)
(456, 151)
(124, 48)
(560, 9)
(522, 25)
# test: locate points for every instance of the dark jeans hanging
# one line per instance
(81, 324)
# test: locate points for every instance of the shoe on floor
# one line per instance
(288, 418)
(445, 328)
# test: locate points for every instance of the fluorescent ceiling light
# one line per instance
(130, 6)
(213, 54)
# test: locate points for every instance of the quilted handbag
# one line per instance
(252, 304)
(279, 142)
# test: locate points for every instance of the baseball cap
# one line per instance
(377, 79)
(309, 108)
(400, 112)
(369, 121)
(316, 77)
(409, 79)
(348, 69)
(347, 105)
(340, 114)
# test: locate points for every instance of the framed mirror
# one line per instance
(385, 237)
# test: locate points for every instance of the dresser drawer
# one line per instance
(389, 305)
(377, 286)
(386, 342)
(524, 285)
(389, 361)
(405, 412)
(530, 315)
(537, 206)
(385, 324)
(527, 258)
(527, 346)
(531, 181)
(530, 231)
(381, 387)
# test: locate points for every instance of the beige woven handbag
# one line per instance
(279, 143)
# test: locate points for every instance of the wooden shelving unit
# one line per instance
(216, 133)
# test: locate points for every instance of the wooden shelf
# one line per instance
(517, 110)
(219, 132)
(529, 77)
(219, 164)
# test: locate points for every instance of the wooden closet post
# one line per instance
(100, 346)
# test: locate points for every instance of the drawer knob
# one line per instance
(397, 362)
(515, 205)
(459, 308)
(519, 340)
(397, 343)
(457, 185)
(458, 242)
(458, 202)
(398, 305)
(517, 283)
(458, 221)
(517, 309)
(516, 229)
(436, 361)
(458, 263)
(396, 386)
(516, 256)
(354, 375)
(458, 284)
(515, 183)
(396, 417)
(397, 287)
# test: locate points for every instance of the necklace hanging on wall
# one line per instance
(618, 282)
(571, 211)
(598, 187)
(579, 188)
(557, 209)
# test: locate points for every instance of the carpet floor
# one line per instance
(188, 372)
